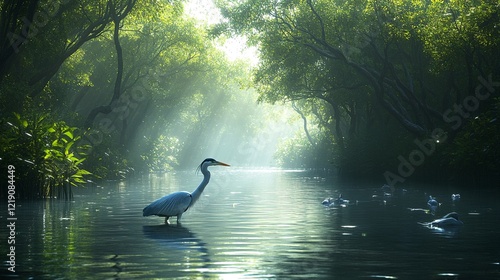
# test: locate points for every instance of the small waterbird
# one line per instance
(339, 201)
(433, 204)
(448, 220)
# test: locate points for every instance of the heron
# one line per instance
(175, 204)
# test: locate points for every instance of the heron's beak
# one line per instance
(223, 164)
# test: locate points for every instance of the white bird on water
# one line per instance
(335, 202)
(175, 204)
(448, 220)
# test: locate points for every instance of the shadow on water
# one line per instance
(177, 237)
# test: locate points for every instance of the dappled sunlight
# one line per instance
(336, 121)
(235, 47)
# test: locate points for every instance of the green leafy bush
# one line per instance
(46, 154)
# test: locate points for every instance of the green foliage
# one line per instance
(176, 91)
(64, 156)
(476, 145)
(298, 152)
(162, 155)
(458, 30)
(360, 73)
(378, 66)
(47, 155)
(106, 160)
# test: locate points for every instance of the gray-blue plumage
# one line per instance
(175, 204)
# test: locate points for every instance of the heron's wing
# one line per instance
(446, 222)
(169, 205)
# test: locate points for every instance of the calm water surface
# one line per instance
(254, 224)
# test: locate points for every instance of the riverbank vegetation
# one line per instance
(105, 89)
(385, 90)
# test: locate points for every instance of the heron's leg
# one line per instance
(179, 218)
(166, 219)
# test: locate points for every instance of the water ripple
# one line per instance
(251, 225)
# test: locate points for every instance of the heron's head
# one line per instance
(210, 162)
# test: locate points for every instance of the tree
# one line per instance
(375, 63)
(117, 17)
(58, 29)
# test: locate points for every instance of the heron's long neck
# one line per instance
(206, 178)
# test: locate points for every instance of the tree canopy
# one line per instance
(95, 90)
(101, 90)
(376, 72)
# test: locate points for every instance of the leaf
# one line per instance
(55, 143)
(57, 154)
(84, 172)
(48, 154)
(79, 161)
(70, 157)
(68, 146)
(42, 118)
(69, 134)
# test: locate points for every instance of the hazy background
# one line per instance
(378, 91)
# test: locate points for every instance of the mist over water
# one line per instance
(255, 224)
(104, 110)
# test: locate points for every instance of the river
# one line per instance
(255, 224)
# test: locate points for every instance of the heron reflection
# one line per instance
(175, 237)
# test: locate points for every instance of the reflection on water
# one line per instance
(255, 224)
(176, 237)
(445, 232)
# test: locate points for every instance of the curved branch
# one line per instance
(323, 36)
(296, 109)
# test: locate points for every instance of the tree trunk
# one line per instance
(117, 17)
(106, 109)
(305, 123)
